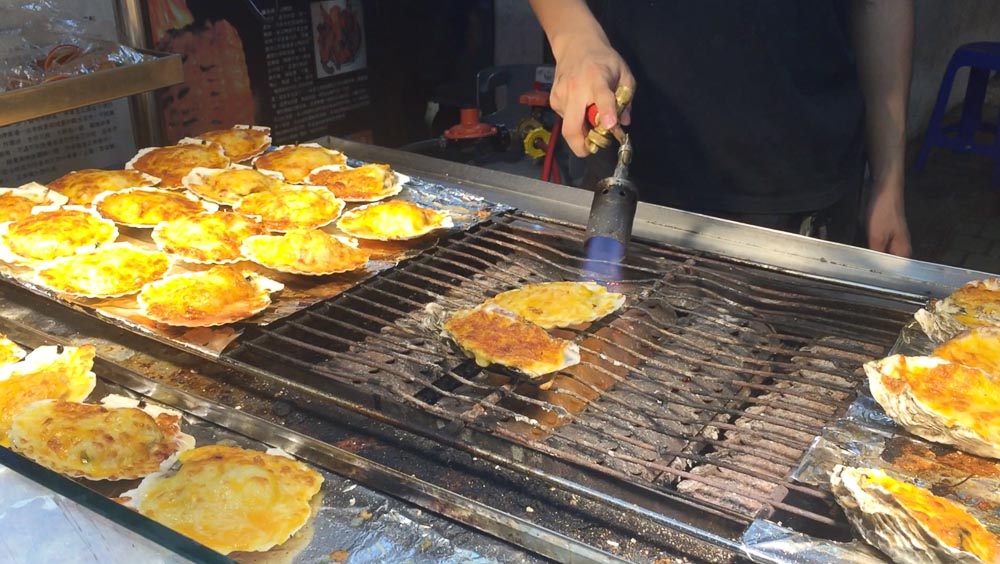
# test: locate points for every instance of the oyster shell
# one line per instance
(938, 400)
(973, 305)
(909, 523)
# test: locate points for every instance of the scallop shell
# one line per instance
(264, 144)
(276, 224)
(279, 148)
(163, 245)
(247, 250)
(8, 255)
(263, 287)
(446, 222)
(397, 187)
(40, 194)
(195, 179)
(38, 277)
(206, 206)
(130, 165)
(888, 524)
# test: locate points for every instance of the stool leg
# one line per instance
(972, 107)
(935, 134)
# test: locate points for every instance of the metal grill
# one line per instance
(694, 401)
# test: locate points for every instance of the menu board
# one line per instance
(299, 67)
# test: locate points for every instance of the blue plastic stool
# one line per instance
(982, 59)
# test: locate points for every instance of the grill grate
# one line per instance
(703, 392)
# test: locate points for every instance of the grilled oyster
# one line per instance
(311, 252)
(491, 335)
(295, 162)
(230, 185)
(975, 304)
(907, 522)
(560, 304)
(17, 203)
(240, 142)
(81, 186)
(298, 207)
(170, 164)
(941, 401)
(219, 295)
(230, 499)
(978, 348)
(366, 183)
(394, 220)
(98, 442)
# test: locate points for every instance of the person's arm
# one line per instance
(588, 69)
(883, 40)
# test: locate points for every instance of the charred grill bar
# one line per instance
(690, 409)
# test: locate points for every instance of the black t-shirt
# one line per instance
(741, 106)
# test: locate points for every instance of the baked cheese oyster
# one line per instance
(230, 185)
(117, 440)
(10, 352)
(393, 220)
(82, 186)
(48, 372)
(240, 142)
(309, 252)
(207, 238)
(366, 183)
(975, 304)
(941, 401)
(294, 207)
(148, 207)
(230, 499)
(978, 348)
(560, 304)
(115, 270)
(217, 296)
(53, 232)
(17, 203)
(491, 335)
(908, 523)
(295, 162)
(172, 163)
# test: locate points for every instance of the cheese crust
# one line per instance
(10, 352)
(230, 499)
(171, 163)
(207, 238)
(147, 207)
(975, 304)
(45, 373)
(97, 442)
(366, 183)
(219, 295)
(560, 304)
(240, 142)
(394, 220)
(978, 348)
(52, 233)
(300, 207)
(491, 335)
(18, 203)
(228, 186)
(295, 162)
(82, 186)
(310, 252)
(115, 270)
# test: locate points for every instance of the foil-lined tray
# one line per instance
(866, 437)
(466, 210)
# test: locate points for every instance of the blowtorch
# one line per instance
(609, 227)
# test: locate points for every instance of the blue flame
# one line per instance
(604, 256)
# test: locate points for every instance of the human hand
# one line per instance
(886, 222)
(588, 71)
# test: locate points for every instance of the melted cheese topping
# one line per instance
(114, 270)
(171, 163)
(44, 374)
(232, 499)
(206, 238)
(560, 304)
(979, 348)
(221, 294)
(395, 219)
(82, 186)
(979, 302)
(946, 520)
(240, 143)
(295, 162)
(366, 183)
(962, 395)
(491, 337)
(14, 207)
(311, 252)
(9, 351)
(231, 185)
(146, 207)
(58, 233)
(292, 208)
(96, 442)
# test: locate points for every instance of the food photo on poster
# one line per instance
(338, 36)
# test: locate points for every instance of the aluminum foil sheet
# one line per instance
(867, 437)
(350, 523)
(300, 292)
